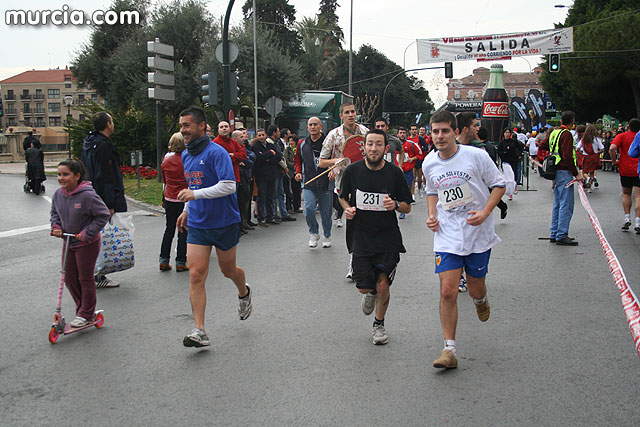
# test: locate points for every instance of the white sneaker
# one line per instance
(368, 303)
(339, 223)
(313, 240)
(380, 335)
(326, 243)
(78, 322)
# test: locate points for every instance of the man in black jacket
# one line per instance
(103, 170)
(265, 170)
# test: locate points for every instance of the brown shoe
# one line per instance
(483, 310)
(446, 360)
(165, 267)
(180, 268)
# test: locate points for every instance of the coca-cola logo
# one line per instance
(495, 109)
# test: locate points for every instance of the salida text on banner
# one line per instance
(496, 46)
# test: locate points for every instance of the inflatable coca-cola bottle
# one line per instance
(495, 105)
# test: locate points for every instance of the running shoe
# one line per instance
(503, 211)
(349, 272)
(104, 282)
(379, 335)
(595, 182)
(245, 307)
(447, 360)
(326, 242)
(197, 338)
(78, 322)
(401, 216)
(626, 225)
(368, 303)
(313, 240)
(339, 222)
(637, 228)
(509, 197)
(483, 310)
(462, 287)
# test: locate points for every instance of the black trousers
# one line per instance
(173, 211)
(266, 188)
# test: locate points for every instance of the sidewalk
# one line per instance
(17, 168)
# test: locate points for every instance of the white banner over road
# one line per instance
(496, 46)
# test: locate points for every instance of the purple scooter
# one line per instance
(59, 326)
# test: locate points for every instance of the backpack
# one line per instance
(548, 168)
(89, 159)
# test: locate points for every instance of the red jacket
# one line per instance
(411, 149)
(173, 176)
(233, 147)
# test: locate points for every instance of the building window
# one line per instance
(94, 97)
(512, 93)
(10, 95)
(26, 108)
(53, 93)
(55, 121)
(54, 107)
(456, 94)
(12, 121)
(67, 85)
(39, 107)
(39, 122)
(81, 100)
(81, 117)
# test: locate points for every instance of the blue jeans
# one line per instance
(408, 176)
(279, 203)
(324, 199)
(563, 200)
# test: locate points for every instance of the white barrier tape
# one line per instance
(630, 303)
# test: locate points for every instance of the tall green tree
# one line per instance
(279, 17)
(372, 70)
(594, 87)
(318, 60)
(328, 19)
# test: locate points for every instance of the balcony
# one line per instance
(25, 96)
(38, 96)
(9, 97)
(28, 112)
(10, 113)
(39, 112)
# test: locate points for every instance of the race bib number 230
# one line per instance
(367, 201)
(454, 197)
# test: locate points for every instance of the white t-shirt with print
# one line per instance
(467, 176)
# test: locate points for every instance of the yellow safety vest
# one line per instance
(554, 145)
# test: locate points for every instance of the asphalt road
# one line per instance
(556, 351)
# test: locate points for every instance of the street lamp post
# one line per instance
(404, 56)
(68, 101)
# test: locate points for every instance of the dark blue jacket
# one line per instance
(103, 170)
(266, 164)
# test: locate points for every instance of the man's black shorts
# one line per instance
(629, 181)
(366, 266)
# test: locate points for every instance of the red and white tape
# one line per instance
(630, 303)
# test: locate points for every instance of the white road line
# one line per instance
(19, 231)
(47, 198)
(25, 230)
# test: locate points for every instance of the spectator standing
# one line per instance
(245, 190)
(103, 170)
(35, 168)
(265, 170)
(296, 190)
(174, 181)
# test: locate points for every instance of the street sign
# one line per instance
(233, 52)
(160, 48)
(160, 93)
(157, 63)
(273, 106)
(133, 157)
(161, 79)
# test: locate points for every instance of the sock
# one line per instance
(480, 300)
(627, 217)
(378, 322)
(450, 345)
(637, 220)
(247, 295)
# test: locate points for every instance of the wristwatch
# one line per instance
(397, 204)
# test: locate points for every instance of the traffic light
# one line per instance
(554, 63)
(448, 70)
(233, 88)
(211, 88)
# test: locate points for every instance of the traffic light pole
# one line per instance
(226, 66)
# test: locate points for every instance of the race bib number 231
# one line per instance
(367, 201)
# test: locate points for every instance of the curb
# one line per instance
(152, 208)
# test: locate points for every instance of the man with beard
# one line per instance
(212, 217)
(395, 153)
(370, 193)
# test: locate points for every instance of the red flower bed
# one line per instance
(145, 172)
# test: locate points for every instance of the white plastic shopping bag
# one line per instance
(116, 245)
(507, 171)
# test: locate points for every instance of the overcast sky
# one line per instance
(390, 26)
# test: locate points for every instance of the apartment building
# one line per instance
(40, 100)
(471, 88)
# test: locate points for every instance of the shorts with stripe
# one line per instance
(367, 265)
